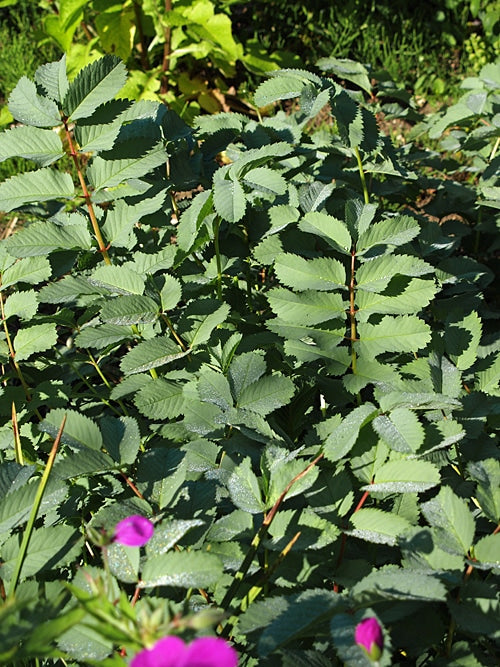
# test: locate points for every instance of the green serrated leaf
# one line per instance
(453, 520)
(279, 88)
(405, 333)
(331, 229)
(401, 430)
(229, 199)
(462, 340)
(487, 550)
(32, 143)
(32, 271)
(130, 309)
(30, 108)
(266, 394)
(94, 85)
(343, 437)
(118, 279)
(151, 354)
(37, 338)
(108, 173)
(391, 232)
(321, 273)
(374, 525)
(79, 430)
(404, 476)
(37, 186)
(244, 489)
(161, 399)
(266, 180)
(181, 569)
(42, 238)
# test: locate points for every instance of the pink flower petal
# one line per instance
(167, 652)
(210, 652)
(134, 531)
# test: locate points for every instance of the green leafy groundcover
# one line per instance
(292, 371)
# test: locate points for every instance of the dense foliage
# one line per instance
(275, 340)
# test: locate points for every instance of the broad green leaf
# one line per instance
(453, 520)
(123, 562)
(486, 474)
(304, 613)
(487, 550)
(309, 307)
(214, 388)
(120, 219)
(266, 394)
(52, 77)
(32, 271)
(103, 335)
(199, 319)
(370, 371)
(374, 525)
(279, 88)
(42, 238)
(171, 292)
(395, 583)
(32, 143)
(343, 438)
(107, 173)
(375, 274)
(267, 180)
(37, 338)
(30, 108)
(229, 199)
(488, 380)
(50, 548)
(391, 232)
(121, 437)
(161, 399)
(21, 304)
(462, 340)
(182, 569)
(421, 551)
(405, 333)
(404, 476)
(160, 475)
(36, 186)
(168, 534)
(94, 85)
(79, 431)
(84, 462)
(331, 229)
(245, 369)
(321, 273)
(401, 298)
(150, 354)
(401, 430)
(244, 489)
(16, 505)
(349, 70)
(130, 309)
(116, 30)
(118, 279)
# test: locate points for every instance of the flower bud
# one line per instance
(368, 635)
(134, 531)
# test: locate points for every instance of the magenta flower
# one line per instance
(173, 652)
(134, 531)
(368, 636)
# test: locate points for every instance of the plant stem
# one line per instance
(18, 452)
(257, 539)
(362, 176)
(217, 257)
(86, 195)
(167, 50)
(34, 510)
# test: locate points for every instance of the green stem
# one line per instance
(217, 257)
(362, 176)
(34, 510)
(255, 543)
